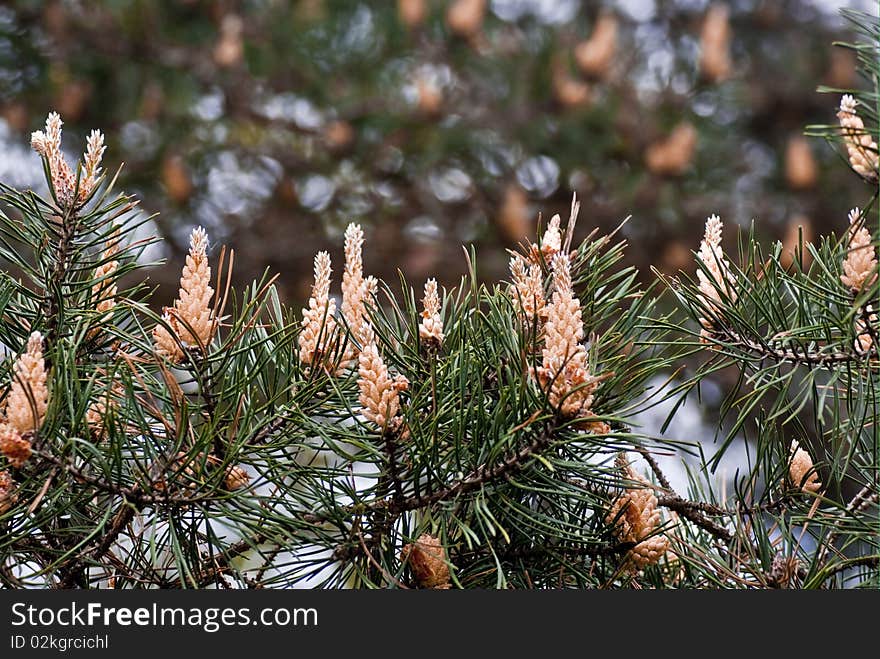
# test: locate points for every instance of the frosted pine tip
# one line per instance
(354, 243)
(431, 325)
(714, 227)
(48, 145)
(551, 241)
(860, 263)
(427, 560)
(198, 242)
(39, 143)
(800, 470)
(28, 396)
(91, 164)
(323, 269)
(353, 275)
(847, 104)
(53, 129)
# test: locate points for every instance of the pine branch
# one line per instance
(74, 571)
(802, 356)
(57, 279)
(693, 511)
(483, 475)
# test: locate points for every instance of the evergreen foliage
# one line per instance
(487, 437)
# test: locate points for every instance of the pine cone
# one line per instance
(636, 516)
(785, 572)
(236, 478)
(427, 560)
(801, 472)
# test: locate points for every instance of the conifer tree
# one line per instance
(483, 435)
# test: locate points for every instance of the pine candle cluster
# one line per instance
(431, 325)
(320, 326)
(26, 403)
(716, 283)
(859, 272)
(48, 144)
(527, 290)
(563, 371)
(319, 319)
(379, 391)
(356, 292)
(860, 146)
(635, 518)
(190, 322)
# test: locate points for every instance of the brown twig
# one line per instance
(121, 519)
(801, 356)
(366, 550)
(860, 561)
(693, 511)
(473, 481)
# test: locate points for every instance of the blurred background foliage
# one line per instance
(437, 123)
